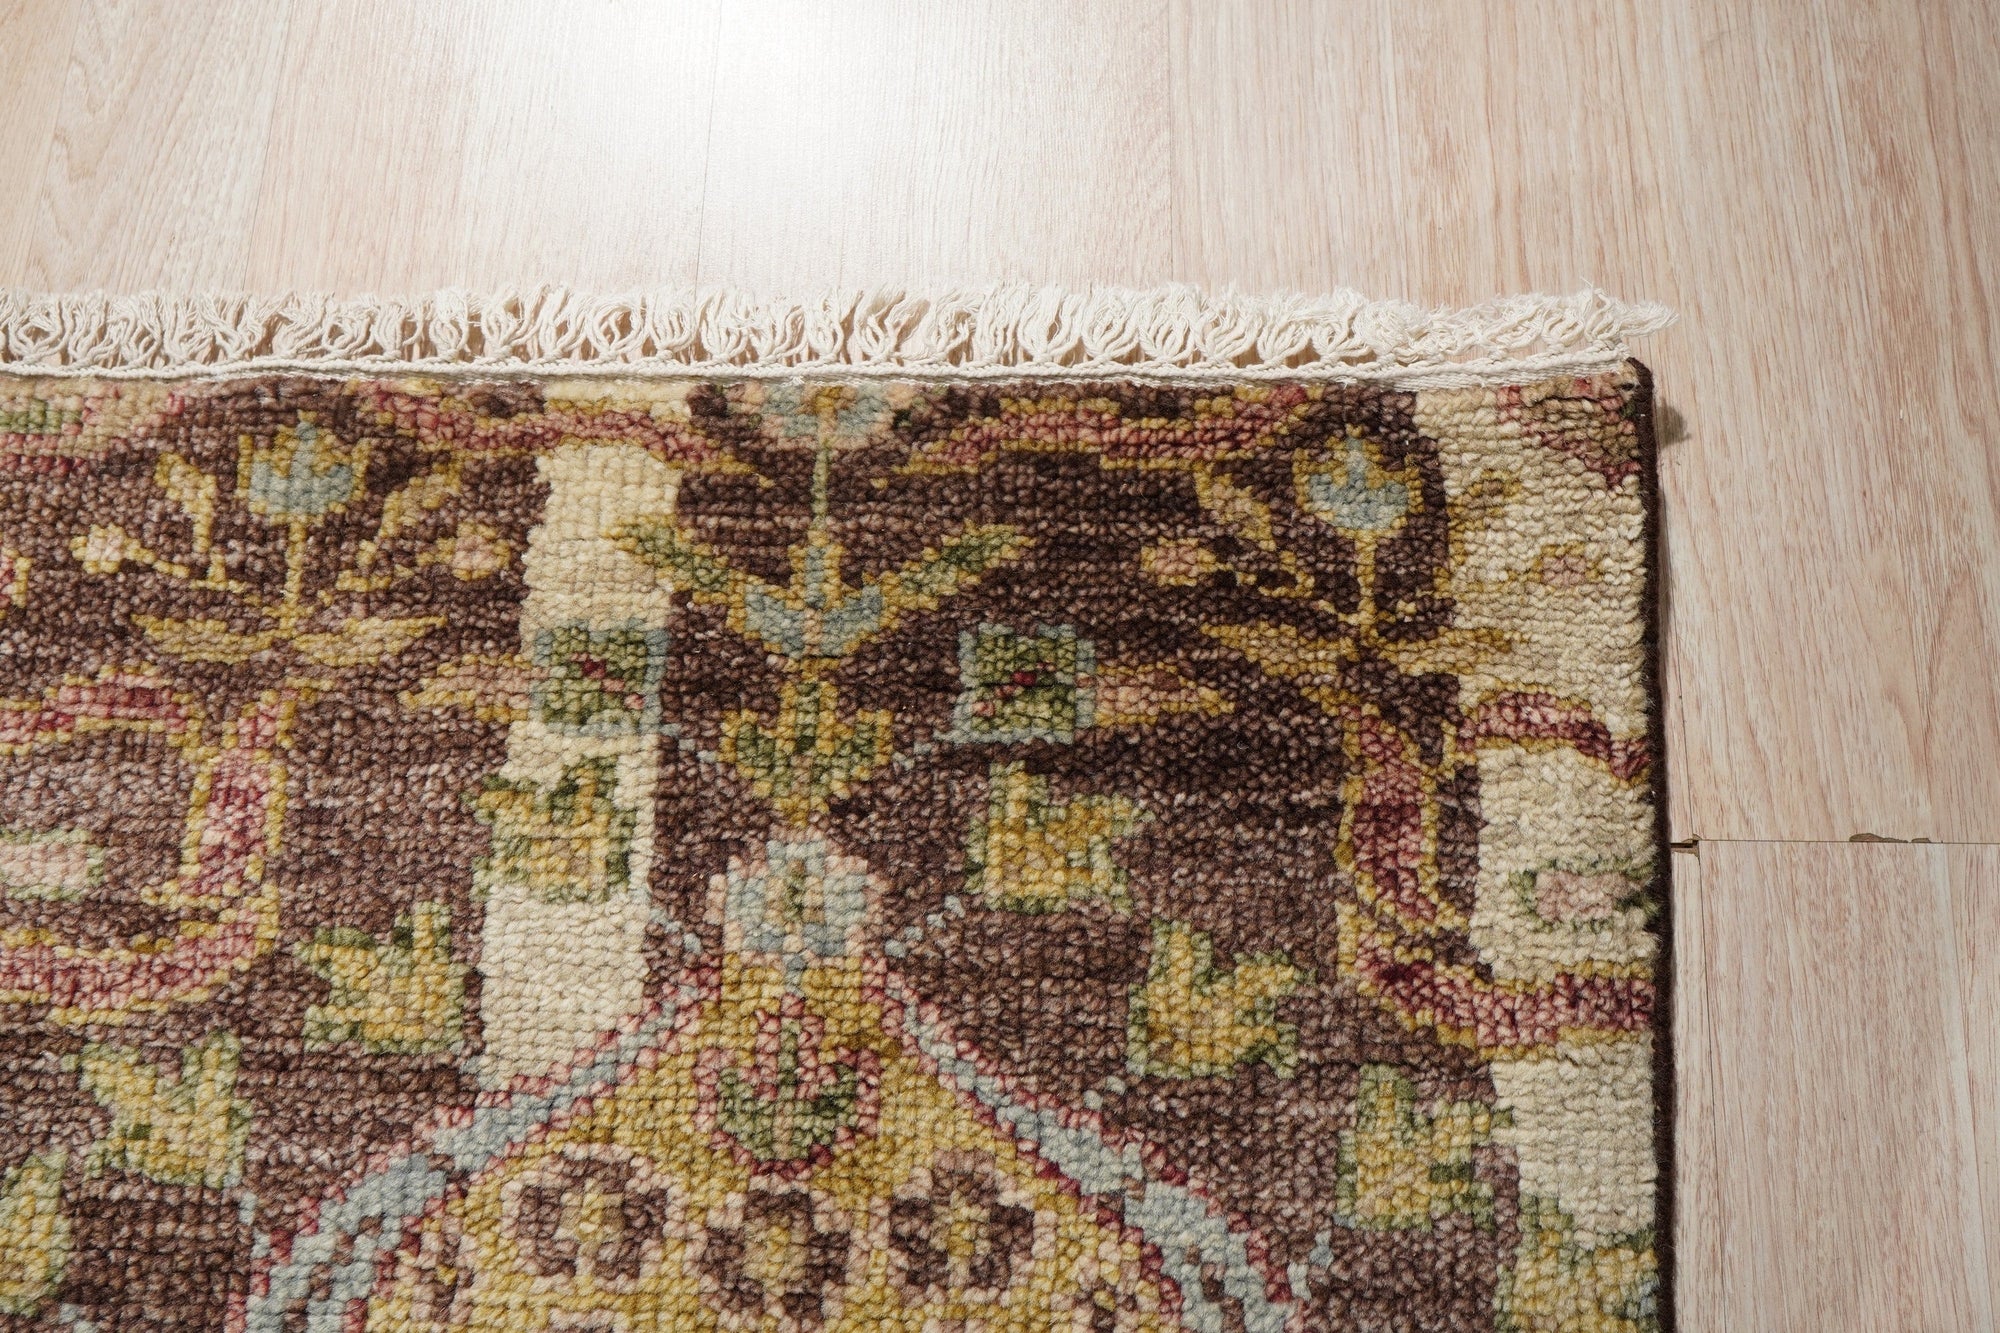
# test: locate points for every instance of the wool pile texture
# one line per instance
(818, 853)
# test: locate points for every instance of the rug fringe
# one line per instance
(1172, 332)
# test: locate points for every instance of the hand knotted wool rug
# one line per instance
(1014, 811)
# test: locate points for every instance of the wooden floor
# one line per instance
(1814, 185)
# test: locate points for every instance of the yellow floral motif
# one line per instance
(1032, 853)
(819, 619)
(1190, 1019)
(403, 995)
(570, 842)
(1559, 1286)
(810, 754)
(630, 1216)
(1180, 563)
(188, 1129)
(294, 481)
(1401, 1168)
(1139, 696)
(473, 552)
(493, 687)
(1239, 512)
(34, 1234)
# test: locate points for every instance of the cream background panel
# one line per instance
(1582, 1132)
(1533, 803)
(576, 572)
(535, 1010)
(1551, 504)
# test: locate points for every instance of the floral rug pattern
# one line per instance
(827, 854)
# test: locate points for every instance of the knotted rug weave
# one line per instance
(1016, 811)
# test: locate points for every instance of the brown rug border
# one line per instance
(1653, 537)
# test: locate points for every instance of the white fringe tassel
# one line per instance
(1164, 332)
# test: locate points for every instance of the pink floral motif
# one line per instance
(1388, 821)
(474, 424)
(1522, 715)
(1491, 1016)
(1397, 963)
(44, 429)
(1567, 414)
(1568, 895)
(232, 825)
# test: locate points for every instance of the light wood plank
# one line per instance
(1750, 154)
(1974, 876)
(1834, 563)
(1251, 83)
(1699, 1295)
(152, 172)
(910, 143)
(1441, 153)
(36, 35)
(1520, 131)
(1841, 1097)
(1961, 43)
(515, 145)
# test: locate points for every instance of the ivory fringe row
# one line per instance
(1171, 332)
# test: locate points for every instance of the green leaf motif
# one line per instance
(1401, 1168)
(1033, 853)
(1557, 1282)
(817, 615)
(1192, 1019)
(806, 1109)
(400, 996)
(811, 754)
(694, 566)
(958, 561)
(185, 1130)
(568, 843)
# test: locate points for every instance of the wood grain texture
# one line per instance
(1974, 876)
(565, 140)
(913, 143)
(1814, 186)
(1834, 502)
(1700, 1299)
(1249, 208)
(153, 170)
(1844, 1132)
(36, 37)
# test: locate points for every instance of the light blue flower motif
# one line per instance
(1345, 497)
(795, 407)
(805, 902)
(302, 475)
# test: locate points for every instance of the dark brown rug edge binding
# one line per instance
(1653, 539)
